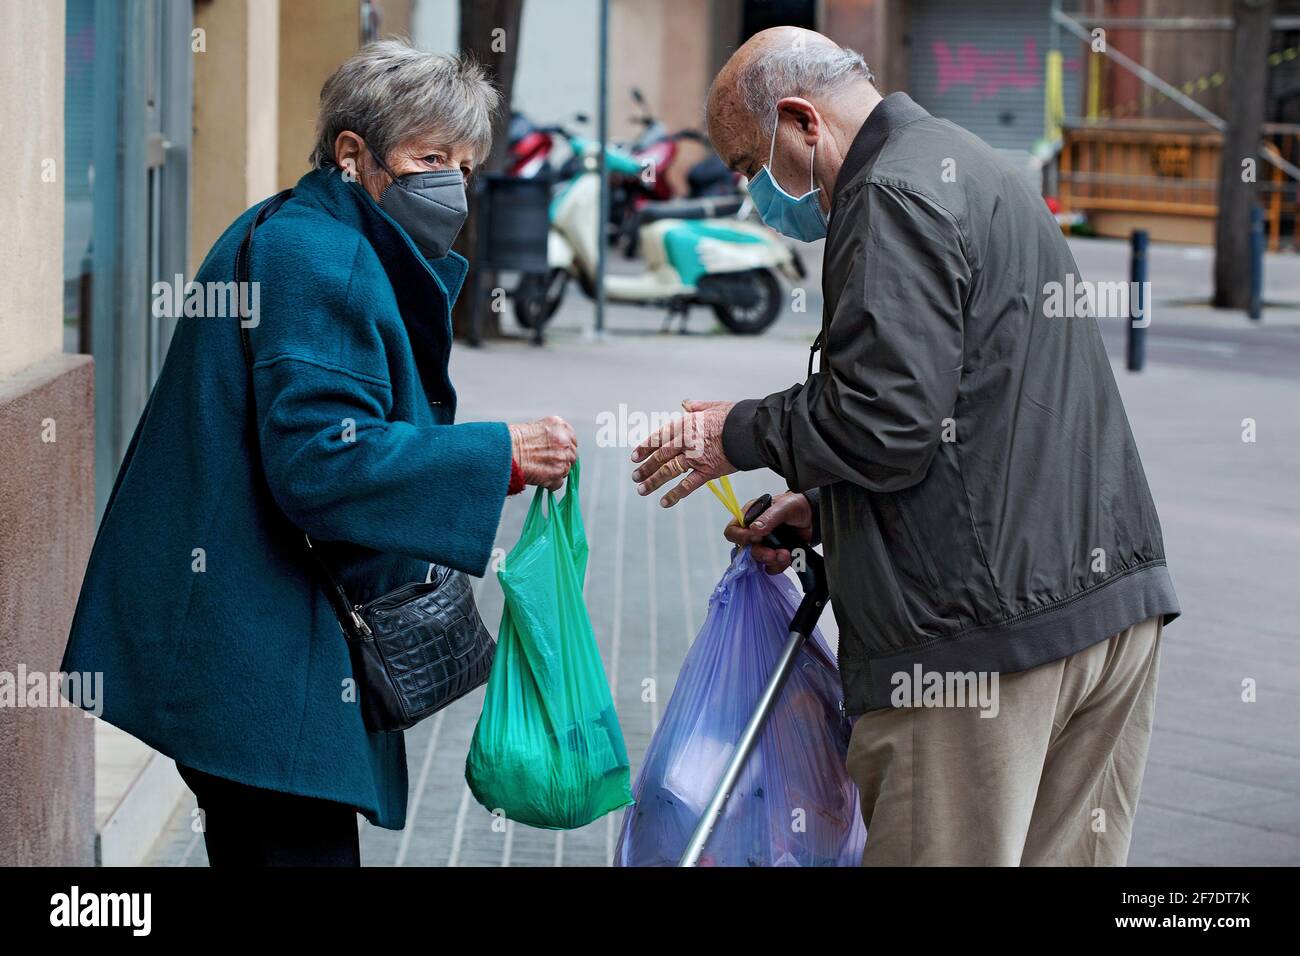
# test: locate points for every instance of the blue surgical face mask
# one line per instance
(799, 218)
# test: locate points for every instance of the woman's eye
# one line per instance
(433, 159)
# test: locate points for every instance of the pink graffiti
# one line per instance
(988, 73)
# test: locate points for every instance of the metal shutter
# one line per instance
(981, 66)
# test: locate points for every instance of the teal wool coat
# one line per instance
(216, 642)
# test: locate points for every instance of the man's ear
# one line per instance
(804, 115)
(348, 147)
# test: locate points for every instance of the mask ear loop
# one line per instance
(771, 154)
(392, 176)
(380, 160)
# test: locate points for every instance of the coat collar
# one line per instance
(350, 203)
(895, 110)
(419, 284)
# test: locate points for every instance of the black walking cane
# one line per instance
(812, 576)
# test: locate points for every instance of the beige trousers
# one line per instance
(1051, 780)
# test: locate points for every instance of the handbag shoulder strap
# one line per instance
(338, 597)
(242, 266)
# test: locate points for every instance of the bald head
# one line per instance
(777, 63)
(776, 55)
(791, 99)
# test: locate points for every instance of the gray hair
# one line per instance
(388, 92)
(803, 69)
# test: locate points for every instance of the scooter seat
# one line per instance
(705, 207)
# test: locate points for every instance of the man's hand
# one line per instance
(790, 508)
(692, 443)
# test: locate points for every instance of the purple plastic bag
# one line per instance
(794, 803)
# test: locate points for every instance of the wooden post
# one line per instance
(1247, 88)
(1065, 171)
(489, 31)
(1275, 211)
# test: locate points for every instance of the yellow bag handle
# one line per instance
(727, 496)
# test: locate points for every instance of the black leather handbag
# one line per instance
(416, 649)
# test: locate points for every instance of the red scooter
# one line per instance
(530, 147)
(650, 196)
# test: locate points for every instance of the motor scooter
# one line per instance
(637, 199)
(529, 148)
(727, 264)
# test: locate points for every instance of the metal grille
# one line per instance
(982, 66)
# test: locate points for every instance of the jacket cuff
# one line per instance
(516, 479)
(739, 436)
(814, 496)
(481, 481)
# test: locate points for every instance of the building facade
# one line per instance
(146, 126)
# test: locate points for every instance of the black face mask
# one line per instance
(430, 206)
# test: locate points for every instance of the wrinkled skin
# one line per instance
(690, 446)
(788, 508)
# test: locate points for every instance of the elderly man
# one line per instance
(967, 463)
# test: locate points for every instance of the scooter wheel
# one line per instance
(765, 296)
(538, 297)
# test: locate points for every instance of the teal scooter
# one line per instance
(728, 264)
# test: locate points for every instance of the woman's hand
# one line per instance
(545, 450)
(790, 508)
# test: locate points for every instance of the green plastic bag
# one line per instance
(548, 750)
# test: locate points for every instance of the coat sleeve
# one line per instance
(341, 470)
(893, 357)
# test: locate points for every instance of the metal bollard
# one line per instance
(1137, 274)
(1256, 308)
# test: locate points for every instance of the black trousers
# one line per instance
(247, 826)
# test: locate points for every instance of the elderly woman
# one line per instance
(216, 641)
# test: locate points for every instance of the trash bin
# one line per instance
(513, 223)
